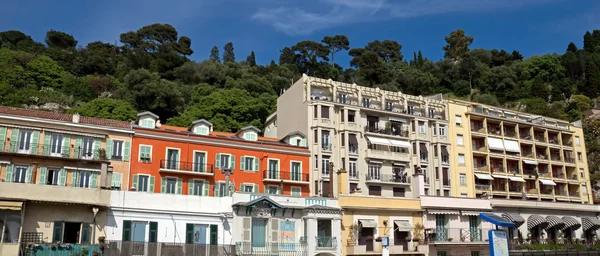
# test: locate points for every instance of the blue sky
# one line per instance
(531, 26)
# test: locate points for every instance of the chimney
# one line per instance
(419, 182)
(76, 117)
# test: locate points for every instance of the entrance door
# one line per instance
(474, 231)
(139, 235)
(366, 238)
(259, 232)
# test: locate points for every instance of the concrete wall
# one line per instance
(464, 129)
(292, 110)
(48, 193)
(578, 132)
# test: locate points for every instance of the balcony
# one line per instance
(515, 189)
(540, 139)
(555, 158)
(544, 174)
(327, 147)
(482, 169)
(525, 135)
(574, 194)
(146, 248)
(388, 155)
(375, 248)
(387, 178)
(73, 249)
(572, 177)
(498, 188)
(510, 133)
(456, 235)
(569, 160)
(482, 187)
(483, 149)
(286, 177)
(326, 243)
(354, 175)
(562, 193)
(390, 131)
(189, 168)
(53, 151)
(58, 194)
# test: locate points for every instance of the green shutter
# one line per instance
(43, 174)
(189, 233)
(303, 143)
(153, 232)
(163, 185)
(218, 161)
(190, 187)
(74, 175)
(96, 152)
(109, 144)
(206, 188)
(62, 179)
(14, 140)
(255, 190)
(85, 233)
(46, 146)
(232, 166)
(94, 180)
(126, 231)
(242, 187)
(66, 150)
(2, 138)
(256, 164)
(78, 147)
(151, 185)
(217, 190)
(243, 163)
(57, 233)
(134, 183)
(28, 175)
(35, 142)
(179, 186)
(231, 188)
(9, 173)
(214, 234)
(116, 180)
(126, 151)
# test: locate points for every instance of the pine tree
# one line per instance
(228, 55)
(214, 54)
(251, 60)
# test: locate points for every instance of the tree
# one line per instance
(17, 40)
(214, 54)
(308, 54)
(148, 92)
(572, 47)
(592, 80)
(57, 39)
(485, 98)
(251, 60)
(336, 44)
(457, 45)
(228, 54)
(287, 56)
(107, 108)
(516, 55)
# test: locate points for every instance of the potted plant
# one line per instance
(450, 239)
(354, 230)
(102, 154)
(418, 233)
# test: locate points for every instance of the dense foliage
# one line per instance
(150, 71)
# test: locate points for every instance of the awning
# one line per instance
(398, 164)
(368, 223)
(403, 225)
(82, 169)
(374, 161)
(11, 205)
(500, 176)
(548, 182)
(517, 179)
(512, 146)
(445, 151)
(495, 144)
(515, 218)
(571, 223)
(379, 141)
(483, 176)
(555, 222)
(449, 212)
(590, 223)
(394, 119)
(536, 221)
(530, 162)
(400, 143)
(423, 148)
(77, 133)
(470, 213)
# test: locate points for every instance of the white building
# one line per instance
(153, 219)
(286, 225)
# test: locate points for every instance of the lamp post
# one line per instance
(95, 211)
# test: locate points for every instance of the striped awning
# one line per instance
(590, 223)
(470, 213)
(515, 218)
(449, 212)
(571, 223)
(555, 222)
(535, 221)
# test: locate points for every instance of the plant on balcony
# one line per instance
(102, 154)
(354, 231)
(418, 232)
(450, 239)
(388, 125)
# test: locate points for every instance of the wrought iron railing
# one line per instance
(289, 176)
(269, 249)
(121, 248)
(186, 166)
(387, 178)
(53, 150)
(326, 242)
(456, 235)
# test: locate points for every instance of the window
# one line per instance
(316, 135)
(172, 159)
(352, 170)
(145, 153)
(251, 136)
(170, 185)
(316, 162)
(398, 192)
(225, 161)
(52, 176)
(20, 174)
(458, 120)
(85, 179)
(579, 156)
(325, 142)
(343, 139)
(581, 172)
(221, 191)
(577, 142)
(201, 129)
(459, 139)
(463, 179)
(115, 183)
(315, 109)
(199, 233)
(296, 191)
(249, 163)
(351, 114)
(56, 144)
(353, 187)
(296, 171)
(147, 123)
(374, 171)
(442, 130)
(198, 188)
(461, 159)
(325, 112)
(374, 190)
(325, 166)
(474, 253)
(463, 195)
(142, 184)
(24, 141)
(273, 170)
(11, 225)
(274, 190)
(421, 127)
(87, 148)
(117, 150)
(249, 188)
(199, 162)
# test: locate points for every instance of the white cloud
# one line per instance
(293, 18)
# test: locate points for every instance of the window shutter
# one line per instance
(214, 234)
(85, 233)
(153, 234)
(206, 188)
(179, 186)
(255, 189)
(189, 233)
(2, 138)
(256, 164)
(247, 226)
(43, 174)
(78, 147)
(243, 163)
(74, 178)
(62, 179)
(241, 187)
(135, 182)
(35, 142)
(126, 231)
(218, 161)
(28, 175)
(46, 146)
(190, 187)
(9, 173)
(96, 152)
(151, 180)
(116, 182)
(217, 190)
(109, 144)
(94, 180)
(163, 185)
(274, 230)
(303, 143)
(279, 190)
(14, 140)
(57, 233)
(232, 166)
(231, 188)
(66, 150)
(126, 150)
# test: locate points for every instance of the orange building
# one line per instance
(175, 160)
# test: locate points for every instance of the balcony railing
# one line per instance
(498, 188)
(485, 187)
(561, 193)
(572, 176)
(353, 148)
(510, 133)
(456, 235)
(515, 189)
(285, 176)
(327, 147)
(546, 247)
(50, 150)
(553, 140)
(388, 178)
(63, 249)
(146, 248)
(544, 174)
(483, 168)
(186, 166)
(353, 174)
(540, 139)
(525, 136)
(574, 194)
(478, 129)
(570, 160)
(326, 243)
(395, 132)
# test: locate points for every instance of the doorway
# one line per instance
(72, 231)
(366, 238)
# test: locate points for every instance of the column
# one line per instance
(311, 234)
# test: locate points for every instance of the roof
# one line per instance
(200, 121)
(147, 113)
(63, 117)
(273, 204)
(227, 135)
(263, 199)
(253, 128)
(292, 134)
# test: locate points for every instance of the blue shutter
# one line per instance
(2, 139)
(243, 164)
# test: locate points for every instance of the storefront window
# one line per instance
(10, 221)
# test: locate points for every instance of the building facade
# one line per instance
(56, 170)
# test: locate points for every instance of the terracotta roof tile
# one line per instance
(214, 134)
(63, 117)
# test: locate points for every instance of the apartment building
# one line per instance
(195, 160)
(56, 170)
(533, 168)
